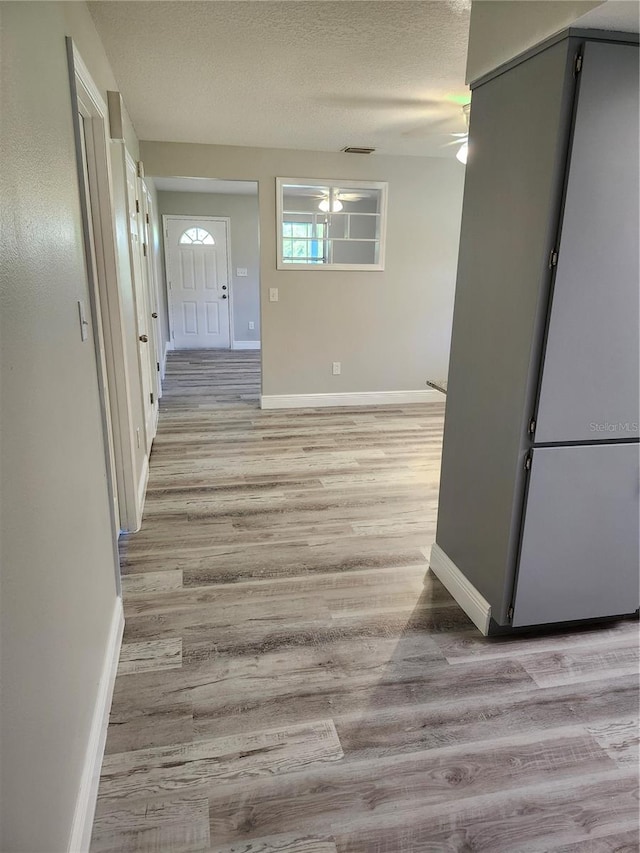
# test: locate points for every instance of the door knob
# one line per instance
(224, 286)
(224, 295)
(154, 315)
(144, 339)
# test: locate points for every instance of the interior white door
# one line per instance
(143, 313)
(152, 291)
(198, 282)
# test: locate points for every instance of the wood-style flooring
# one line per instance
(293, 679)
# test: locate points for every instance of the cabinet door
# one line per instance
(579, 554)
(590, 379)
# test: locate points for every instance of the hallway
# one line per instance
(292, 679)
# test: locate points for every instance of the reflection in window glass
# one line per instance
(332, 225)
(303, 242)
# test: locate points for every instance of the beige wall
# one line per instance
(58, 568)
(245, 248)
(391, 330)
(501, 29)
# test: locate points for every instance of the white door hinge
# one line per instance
(553, 259)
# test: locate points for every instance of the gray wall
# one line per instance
(391, 329)
(58, 573)
(245, 248)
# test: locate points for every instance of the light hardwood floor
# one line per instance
(293, 679)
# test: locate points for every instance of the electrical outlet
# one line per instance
(252, 325)
(337, 368)
(273, 294)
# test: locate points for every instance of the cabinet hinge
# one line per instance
(510, 613)
(578, 65)
(553, 259)
(532, 426)
(137, 206)
(527, 462)
(152, 398)
(158, 366)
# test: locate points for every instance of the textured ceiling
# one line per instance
(205, 185)
(622, 15)
(302, 74)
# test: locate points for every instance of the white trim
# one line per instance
(474, 605)
(107, 310)
(355, 398)
(168, 345)
(166, 218)
(88, 791)
(82, 73)
(245, 345)
(142, 492)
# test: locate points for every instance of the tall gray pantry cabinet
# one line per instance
(538, 519)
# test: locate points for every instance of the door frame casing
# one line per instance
(106, 289)
(166, 218)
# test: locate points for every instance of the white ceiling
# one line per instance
(387, 74)
(205, 185)
(621, 15)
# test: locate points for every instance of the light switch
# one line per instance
(241, 272)
(273, 294)
(84, 323)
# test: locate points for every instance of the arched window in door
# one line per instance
(196, 237)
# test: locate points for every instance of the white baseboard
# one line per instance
(88, 791)
(245, 345)
(474, 605)
(142, 492)
(356, 398)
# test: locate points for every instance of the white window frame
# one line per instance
(383, 186)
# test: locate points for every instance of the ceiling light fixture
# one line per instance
(335, 207)
(463, 152)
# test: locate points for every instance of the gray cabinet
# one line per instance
(591, 372)
(545, 348)
(579, 556)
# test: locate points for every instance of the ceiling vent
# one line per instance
(353, 149)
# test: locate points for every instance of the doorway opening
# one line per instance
(210, 231)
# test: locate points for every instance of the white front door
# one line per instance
(198, 282)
